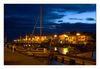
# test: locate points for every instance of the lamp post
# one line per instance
(66, 37)
(77, 34)
(77, 41)
(55, 35)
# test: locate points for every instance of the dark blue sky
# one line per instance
(72, 13)
(19, 19)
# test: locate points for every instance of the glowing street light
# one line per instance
(65, 50)
(55, 35)
(77, 34)
(29, 45)
(61, 42)
(15, 40)
(26, 37)
(77, 39)
(55, 48)
(65, 35)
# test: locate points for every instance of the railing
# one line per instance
(71, 60)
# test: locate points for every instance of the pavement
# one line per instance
(15, 58)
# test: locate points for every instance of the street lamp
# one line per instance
(77, 34)
(77, 40)
(65, 35)
(15, 40)
(55, 35)
(55, 48)
(61, 42)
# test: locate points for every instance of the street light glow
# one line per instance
(61, 42)
(55, 35)
(65, 35)
(77, 34)
(15, 40)
(55, 48)
(65, 50)
(29, 45)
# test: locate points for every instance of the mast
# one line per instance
(40, 21)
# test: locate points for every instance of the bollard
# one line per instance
(51, 58)
(62, 60)
(83, 63)
(56, 58)
(72, 62)
(13, 49)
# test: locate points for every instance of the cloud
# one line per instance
(78, 18)
(58, 11)
(60, 21)
(53, 16)
(80, 8)
(90, 19)
(50, 12)
(75, 19)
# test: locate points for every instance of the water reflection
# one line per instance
(63, 50)
(94, 55)
(54, 62)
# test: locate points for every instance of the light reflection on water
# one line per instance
(63, 50)
(94, 55)
(54, 62)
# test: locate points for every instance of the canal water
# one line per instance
(54, 62)
(94, 55)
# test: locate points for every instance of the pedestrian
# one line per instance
(13, 48)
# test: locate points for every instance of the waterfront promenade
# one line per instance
(16, 58)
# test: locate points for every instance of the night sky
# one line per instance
(20, 19)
